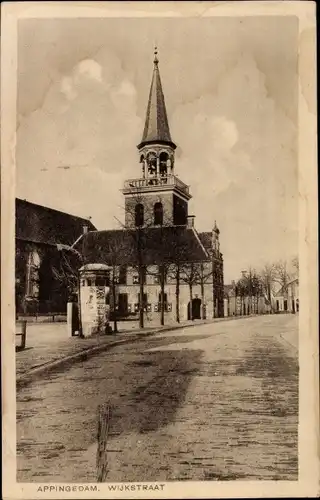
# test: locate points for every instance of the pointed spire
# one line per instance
(156, 127)
(155, 60)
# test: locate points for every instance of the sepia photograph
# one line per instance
(161, 254)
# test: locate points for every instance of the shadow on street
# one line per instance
(154, 403)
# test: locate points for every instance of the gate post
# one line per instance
(69, 319)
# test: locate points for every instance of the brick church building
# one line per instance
(38, 231)
(159, 253)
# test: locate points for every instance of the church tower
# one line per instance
(157, 197)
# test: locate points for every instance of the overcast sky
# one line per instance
(230, 86)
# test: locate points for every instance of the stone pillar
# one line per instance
(94, 299)
(158, 166)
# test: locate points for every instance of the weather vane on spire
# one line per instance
(156, 60)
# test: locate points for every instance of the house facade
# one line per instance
(287, 298)
(159, 250)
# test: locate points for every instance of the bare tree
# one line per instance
(136, 226)
(163, 273)
(253, 288)
(250, 286)
(67, 273)
(141, 244)
(205, 274)
(267, 278)
(175, 274)
(295, 264)
(241, 290)
(190, 276)
(116, 248)
(282, 276)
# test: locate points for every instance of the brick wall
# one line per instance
(173, 209)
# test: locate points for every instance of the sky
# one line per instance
(230, 86)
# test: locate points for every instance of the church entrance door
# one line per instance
(194, 312)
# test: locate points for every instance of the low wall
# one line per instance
(44, 318)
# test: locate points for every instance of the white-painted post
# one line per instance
(69, 319)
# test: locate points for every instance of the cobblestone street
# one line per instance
(216, 401)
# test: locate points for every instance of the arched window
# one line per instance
(142, 162)
(152, 163)
(33, 266)
(163, 163)
(158, 214)
(139, 215)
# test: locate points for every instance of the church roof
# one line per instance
(158, 245)
(156, 127)
(206, 239)
(39, 224)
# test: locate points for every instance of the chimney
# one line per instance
(190, 221)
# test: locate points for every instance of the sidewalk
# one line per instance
(48, 346)
(49, 342)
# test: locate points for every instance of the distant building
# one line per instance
(287, 298)
(160, 234)
(38, 231)
(243, 305)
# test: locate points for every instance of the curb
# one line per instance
(51, 366)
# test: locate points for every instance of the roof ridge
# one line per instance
(21, 200)
(197, 236)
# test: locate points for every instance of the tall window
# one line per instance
(161, 272)
(139, 214)
(145, 299)
(33, 265)
(122, 275)
(165, 302)
(158, 214)
(123, 303)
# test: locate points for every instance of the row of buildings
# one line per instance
(285, 300)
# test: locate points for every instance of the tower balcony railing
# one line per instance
(161, 181)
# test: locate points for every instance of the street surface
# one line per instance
(214, 402)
